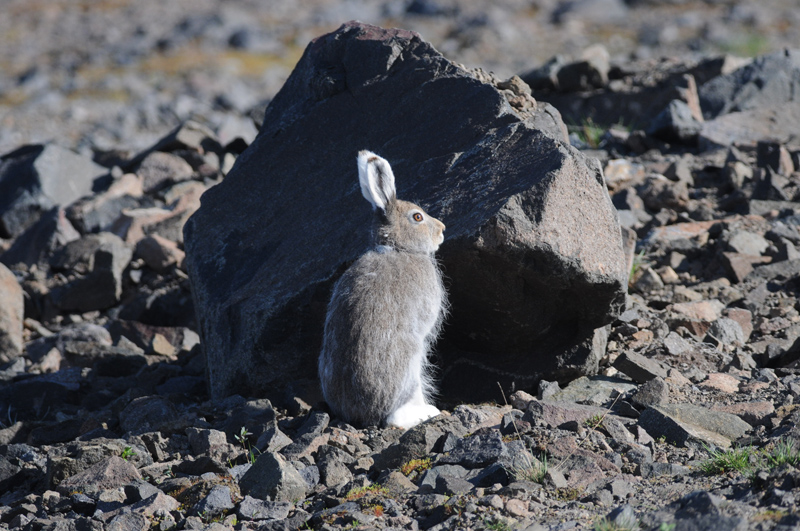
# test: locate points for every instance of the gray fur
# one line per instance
(385, 311)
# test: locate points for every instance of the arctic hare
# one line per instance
(384, 313)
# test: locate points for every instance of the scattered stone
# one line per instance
(254, 509)
(555, 414)
(272, 478)
(684, 424)
(727, 332)
(159, 253)
(593, 391)
(98, 212)
(110, 473)
(676, 345)
(477, 451)
(36, 178)
(37, 243)
(103, 257)
(652, 393)
(754, 413)
(648, 281)
(639, 368)
(676, 124)
(159, 168)
(148, 413)
(217, 502)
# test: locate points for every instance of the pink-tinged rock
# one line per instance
(641, 338)
(130, 225)
(721, 382)
(12, 315)
(753, 413)
(676, 378)
(738, 266)
(110, 473)
(517, 508)
(159, 253)
(641, 435)
(521, 399)
(744, 318)
(753, 387)
(580, 467)
(695, 233)
(709, 310)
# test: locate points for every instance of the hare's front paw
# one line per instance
(409, 415)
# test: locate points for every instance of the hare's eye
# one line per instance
(417, 217)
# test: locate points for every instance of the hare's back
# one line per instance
(403, 291)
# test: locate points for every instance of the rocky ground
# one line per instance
(105, 421)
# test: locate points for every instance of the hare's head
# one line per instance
(401, 225)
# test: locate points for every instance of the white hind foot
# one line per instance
(409, 415)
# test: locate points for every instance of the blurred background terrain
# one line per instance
(112, 76)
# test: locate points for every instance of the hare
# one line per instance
(384, 313)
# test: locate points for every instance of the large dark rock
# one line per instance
(34, 179)
(533, 253)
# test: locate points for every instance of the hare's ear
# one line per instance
(376, 178)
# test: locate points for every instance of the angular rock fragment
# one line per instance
(639, 368)
(533, 249)
(555, 414)
(104, 257)
(36, 178)
(771, 80)
(109, 473)
(159, 168)
(254, 509)
(653, 393)
(272, 478)
(676, 124)
(34, 246)
(685, 424)
(754, 413)
(97, 212)
(159, 253)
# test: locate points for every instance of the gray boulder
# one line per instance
(35, 245)
(768, 81)
(35, 178)
(103, 258)
(533, 253)
(272, 478)
(758, 101)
